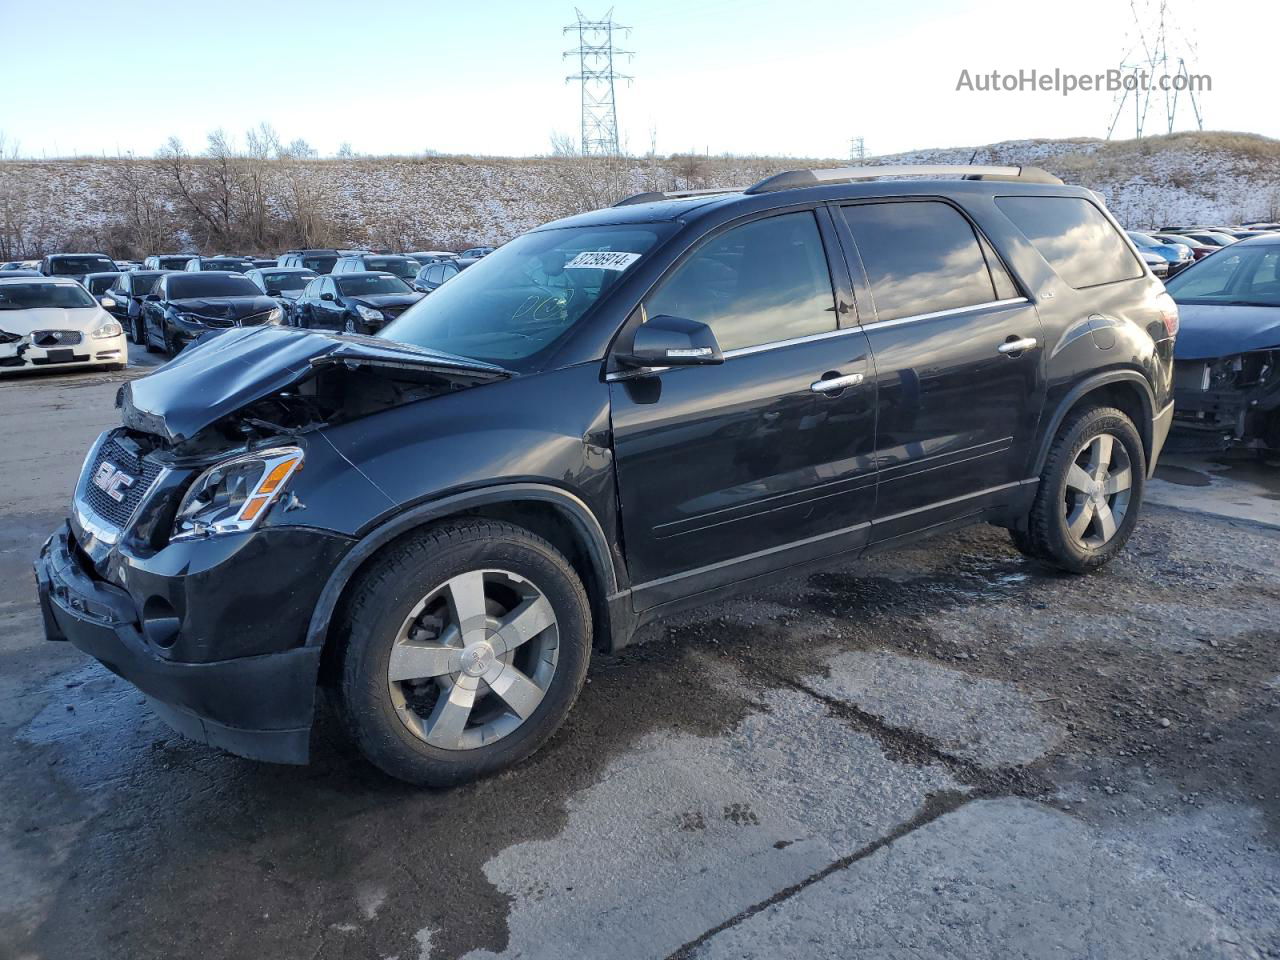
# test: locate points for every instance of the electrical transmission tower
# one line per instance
(857, 150)
(595, 53)
(1155, 45)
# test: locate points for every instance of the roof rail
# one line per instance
(792, 179)
(652, 195)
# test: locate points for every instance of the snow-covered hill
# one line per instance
(454, 201)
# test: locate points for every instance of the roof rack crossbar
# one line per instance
(792, 179)
(651, 195)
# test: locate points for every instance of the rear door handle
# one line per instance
(836, 383)
(1017, 346)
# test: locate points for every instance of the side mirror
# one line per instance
(326, 296)
(107, 302)
(665, 341)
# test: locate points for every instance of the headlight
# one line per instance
(109, 329)
(233, 496)
(275, 315)
(192, 319)
(373, 316)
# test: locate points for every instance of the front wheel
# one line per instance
(464, 649)
(1090, 492)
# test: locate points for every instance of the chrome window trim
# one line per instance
(778, 344)
(953, 311)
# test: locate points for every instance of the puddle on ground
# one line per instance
(1182, 476)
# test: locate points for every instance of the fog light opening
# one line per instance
(159, 622)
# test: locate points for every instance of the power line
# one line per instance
(595, 53)
(1159, 43)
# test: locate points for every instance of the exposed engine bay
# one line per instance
(1232, 400)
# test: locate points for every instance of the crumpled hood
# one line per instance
(218, 375)
(225, 308)
(1208, 331)
(23, 322)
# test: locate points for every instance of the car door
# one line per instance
(118, 295)
(730, 471)
(327, 313)
(958, 358)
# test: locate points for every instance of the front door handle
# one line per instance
(836, 383)
(1017, 346)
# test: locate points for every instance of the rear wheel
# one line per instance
(465, 647)
(1090, 492)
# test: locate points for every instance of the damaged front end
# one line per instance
(1230, 401)
(203, 529)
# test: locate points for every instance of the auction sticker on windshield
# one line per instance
(602, 260)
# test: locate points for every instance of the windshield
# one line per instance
(172, 263)
(195, 285)
(358, 286)
(1243, 276)
(239, 266)
(402, 267)
(1142, 240)
(74, 266)
(102, 284)
(287, 282)
(512, 307)
(321, 263)
(28, 296)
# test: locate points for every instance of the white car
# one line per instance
(48, 322)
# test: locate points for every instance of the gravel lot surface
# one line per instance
(945, 751)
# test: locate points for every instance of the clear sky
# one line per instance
(797, 77)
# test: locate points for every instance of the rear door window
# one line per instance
(1081, 245)
(921, 256)
(763, 282)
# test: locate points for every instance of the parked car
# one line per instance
(221, 264)
(285, 284)
(1198, 250)
(1227, 374)
(11, 265)
(1157, 264)
(125, 265)
(260, 262)
(53, 321)
(611, 418)
(406, 268)
(1178, 255)
(1212, 238)
(76, 265)
(433, 275)
(98, 283)
(318, 261)
(354, 302)
(475, 253)
(167, 261)
(181, 309)
(125, 298)
(432, 256)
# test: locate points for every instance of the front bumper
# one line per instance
(90, 352)
(258, 707)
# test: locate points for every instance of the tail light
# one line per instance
(1168, 314)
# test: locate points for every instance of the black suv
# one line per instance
(608, 419)
(167, 261)
(353, 302)
(221, 263)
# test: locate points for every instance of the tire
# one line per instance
(136, 332)
(146, 340)
(407, 722)
(1084, 513)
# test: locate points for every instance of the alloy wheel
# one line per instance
(1099, 485)
(474, 659)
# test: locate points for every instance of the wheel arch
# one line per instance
(550, 512)
(1127, 390)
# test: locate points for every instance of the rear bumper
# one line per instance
(258, 707)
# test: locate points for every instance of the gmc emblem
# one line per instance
(112, 481)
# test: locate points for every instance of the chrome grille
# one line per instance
(142, 471)
(56, 338)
